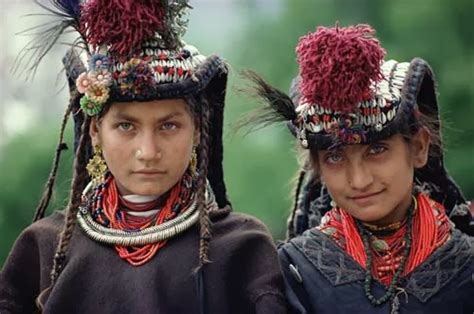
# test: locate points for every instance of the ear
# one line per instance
(420, 147)
(94, 131)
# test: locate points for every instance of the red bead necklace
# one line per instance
(430, 230)
(111, 214)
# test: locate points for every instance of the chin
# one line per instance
(369, 215)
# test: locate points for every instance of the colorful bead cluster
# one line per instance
(345, 133)
(95, 84)
(135, 78)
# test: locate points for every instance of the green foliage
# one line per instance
(24, 167)
(259, 167)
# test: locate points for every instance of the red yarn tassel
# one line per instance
(122, 25)
(338, 65)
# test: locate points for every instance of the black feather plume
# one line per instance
(66, 14)
(278, 107)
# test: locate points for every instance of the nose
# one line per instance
(359, 175)
(148, 148)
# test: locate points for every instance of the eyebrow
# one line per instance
(125, 116)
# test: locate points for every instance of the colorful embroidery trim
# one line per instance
(138, 75)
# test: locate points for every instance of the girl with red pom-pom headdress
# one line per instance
(148, 227)
(378, 226)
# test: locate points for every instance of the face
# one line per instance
(147, 145)
(374, 182)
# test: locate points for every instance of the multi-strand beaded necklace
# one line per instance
(389, 252)
(105, 217)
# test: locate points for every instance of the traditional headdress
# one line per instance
(347, 94)
(132, 51)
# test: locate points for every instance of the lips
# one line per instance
(149, 172)
(366, 195)
(365, 198)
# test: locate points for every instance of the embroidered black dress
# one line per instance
(322, 278)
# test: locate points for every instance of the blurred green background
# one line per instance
(260, 35)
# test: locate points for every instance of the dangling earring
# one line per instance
(96, 167)
(193, 162)
(333, 204)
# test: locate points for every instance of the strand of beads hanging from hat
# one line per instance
(431, 229)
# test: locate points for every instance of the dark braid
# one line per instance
(48, 189)
(79, 181)
(291, 220)
(203, 158)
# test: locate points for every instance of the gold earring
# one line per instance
(193, 162)
(96, 167)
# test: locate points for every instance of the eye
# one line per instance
(168, 126)
(377, 149)
(333, 157)
(125, 126)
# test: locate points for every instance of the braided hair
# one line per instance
(200, 106)
(49, 186)
(79, 181)
(296, 203)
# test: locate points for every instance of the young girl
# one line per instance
(148, 227)
(375, 199)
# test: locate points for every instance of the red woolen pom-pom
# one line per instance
(338, 65)
(122, 25)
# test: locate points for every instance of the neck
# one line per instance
(141, 203)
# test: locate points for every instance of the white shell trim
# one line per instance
(388, 92)
(187, 65)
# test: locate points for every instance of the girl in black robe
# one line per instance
(148, 227)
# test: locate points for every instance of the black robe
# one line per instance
(243, 276)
